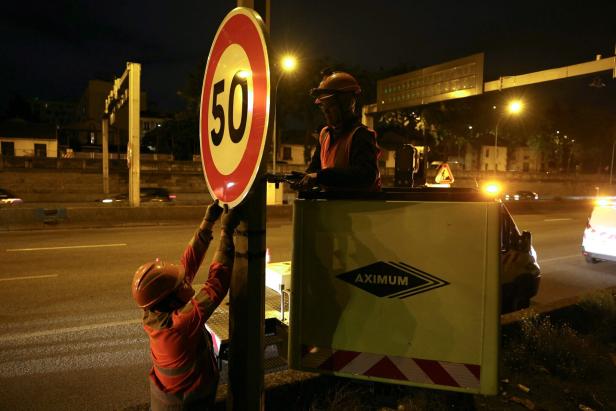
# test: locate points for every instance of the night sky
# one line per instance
(50, 49)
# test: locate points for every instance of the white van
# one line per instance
(599, 241)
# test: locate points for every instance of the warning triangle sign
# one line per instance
(444, 175)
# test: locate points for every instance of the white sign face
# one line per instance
(228, 154)
(235, 107)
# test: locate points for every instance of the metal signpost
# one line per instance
(235, 115)
(126, 91)
(463, 78)
(453, 79)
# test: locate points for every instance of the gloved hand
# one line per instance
(230, 220)
(297, 178)
(213, 212)
(307, 182)
(297, 175)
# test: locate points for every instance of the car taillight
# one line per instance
(171, 196)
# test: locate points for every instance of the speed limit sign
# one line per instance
(235, 106)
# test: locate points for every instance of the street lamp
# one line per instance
(612, 163)
(514, 107)
(287, 65)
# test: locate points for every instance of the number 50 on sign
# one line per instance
(235, 106)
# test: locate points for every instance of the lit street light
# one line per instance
(287, 64)
(514, 107)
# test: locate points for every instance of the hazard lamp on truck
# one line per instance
(405, 287)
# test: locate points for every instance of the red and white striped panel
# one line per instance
(391, 367)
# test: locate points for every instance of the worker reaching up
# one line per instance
(184, 375)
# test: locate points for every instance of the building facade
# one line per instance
(21, 139)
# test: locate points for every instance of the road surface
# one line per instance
(70, 334)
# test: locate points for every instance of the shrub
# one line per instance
(555, 347)
(342, 396)
(600, 312)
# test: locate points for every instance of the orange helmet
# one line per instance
(156, 280)
(334, 82)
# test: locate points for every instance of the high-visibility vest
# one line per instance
(338, 154)
(194, 371)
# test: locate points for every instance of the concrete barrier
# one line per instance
(41, 218)
(556, 309)
(46, 216)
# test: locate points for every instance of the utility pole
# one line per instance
(105, 130)
(247, 294)
(126, 90)
(612, 163)
(496, 144)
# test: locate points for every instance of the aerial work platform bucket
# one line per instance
(397, 289)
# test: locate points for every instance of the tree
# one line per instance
(178, 136)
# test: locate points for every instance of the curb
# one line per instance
(553, 308)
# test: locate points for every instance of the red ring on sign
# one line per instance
(241, 30)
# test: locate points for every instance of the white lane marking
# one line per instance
(564, 257)
(67, 247)
(557, 219)
(66, 330)
(30, 277)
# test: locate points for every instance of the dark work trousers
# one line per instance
(196, 400)
(162, 401)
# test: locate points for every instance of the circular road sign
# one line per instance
(235, 106)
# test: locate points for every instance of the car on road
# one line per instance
(521, 195)
(599, 239)
(147, 194)
(521, 274)
(6, 197)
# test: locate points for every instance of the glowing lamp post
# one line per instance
(513, 108)
(612, 163)
(288, 63)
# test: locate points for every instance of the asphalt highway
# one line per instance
(557, 238)
(70, 334)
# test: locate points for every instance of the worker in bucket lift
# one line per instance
(184, 375)
(346, 156)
